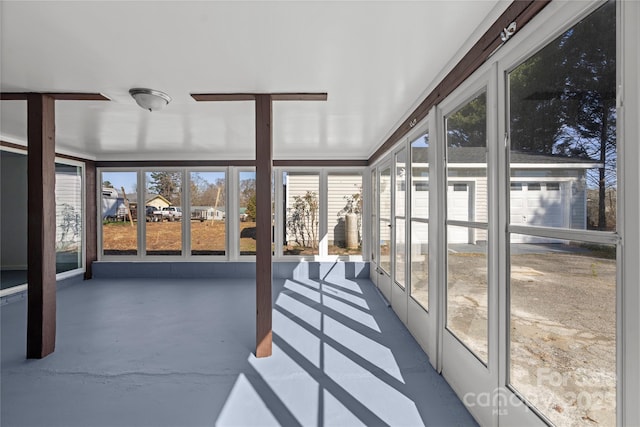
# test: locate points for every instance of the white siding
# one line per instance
(297, 185)
(481, 212)
(420, 198)
(458, 208)
(578, 202)
(339, 186)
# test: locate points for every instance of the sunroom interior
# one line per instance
(343, 213)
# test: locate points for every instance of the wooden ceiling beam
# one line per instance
(310, 96)
(70, 96)
(58, 96)
(293, 96)
(214, 97)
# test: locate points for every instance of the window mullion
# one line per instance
(142, 231)
(323, 249)
(186, 213)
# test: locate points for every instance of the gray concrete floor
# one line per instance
(141, 352)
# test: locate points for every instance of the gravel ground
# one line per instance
(562, 329)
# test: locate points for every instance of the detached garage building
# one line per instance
(546, 191)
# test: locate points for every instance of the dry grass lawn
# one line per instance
(206, 237)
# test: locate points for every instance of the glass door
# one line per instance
(422, 304)
(562, 240)
(384, 229)
(469, 344)
(399, 235)
(466, 219)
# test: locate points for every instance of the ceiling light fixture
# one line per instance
(150, 99)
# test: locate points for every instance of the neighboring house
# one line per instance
(150, 199)
(203, 213)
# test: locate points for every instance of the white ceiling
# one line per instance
(376, 60)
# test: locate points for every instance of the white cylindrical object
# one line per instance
(351, 230)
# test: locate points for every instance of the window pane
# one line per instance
(344, 214)
(467, 296)
(420, 177)
(400, 230)
(401, 252)
(247, 203)
(563, 329)
(563, 125)
(302, 207)
(163, 197)
(13, 217)
(69, 214)
(467, 161)
(119, 232)
(563, 142)
(467, 200)
(401, 182)
(385, 245)
(384, 231)
(208, 213)
(419, 251)
(374, 214)
(420, 263)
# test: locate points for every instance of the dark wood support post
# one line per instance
(41, 276)
(264, 225)
(90, 218)
(264, 169)
(41, 221)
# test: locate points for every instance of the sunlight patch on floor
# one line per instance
(245, 407)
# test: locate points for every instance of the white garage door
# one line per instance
(537, 204)
(458, 209)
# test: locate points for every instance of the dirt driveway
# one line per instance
(562, 328)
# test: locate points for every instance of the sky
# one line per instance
(128, 179)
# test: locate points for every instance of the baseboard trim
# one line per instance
(240, 270)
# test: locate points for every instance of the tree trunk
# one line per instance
(602, 190)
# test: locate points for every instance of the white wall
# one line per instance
(13, 214)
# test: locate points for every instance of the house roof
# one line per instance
(375, 59)
(133, 197)
(477, 155)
